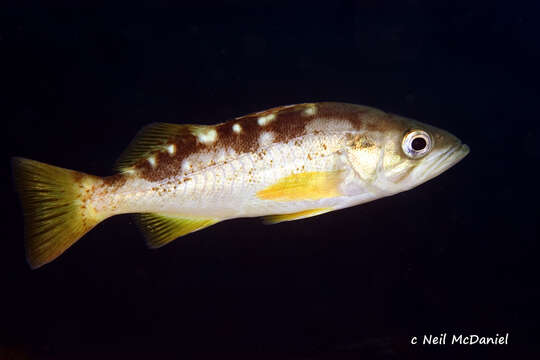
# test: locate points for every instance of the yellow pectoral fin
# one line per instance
(274, 219)
(161, 229)
(313, 185)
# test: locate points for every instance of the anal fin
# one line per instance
(274, 219)
(161, 229)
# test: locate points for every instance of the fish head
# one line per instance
(394, 153)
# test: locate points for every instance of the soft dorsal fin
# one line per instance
(150, 139)
(274, 219)
(160, 229)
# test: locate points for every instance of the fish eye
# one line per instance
(416, 144)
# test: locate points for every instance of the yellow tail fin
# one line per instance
(55, 213)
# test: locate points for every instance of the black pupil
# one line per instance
(418, 144)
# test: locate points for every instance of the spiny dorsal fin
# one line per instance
(152, 138)
(274, 219)
(160, 229)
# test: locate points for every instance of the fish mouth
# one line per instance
(447, 159)
(463, 151)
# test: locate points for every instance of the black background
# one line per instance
(457, 255)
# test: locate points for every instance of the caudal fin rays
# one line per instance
(54, 215)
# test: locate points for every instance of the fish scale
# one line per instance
(284, 163)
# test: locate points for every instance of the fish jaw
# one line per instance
(443, 161)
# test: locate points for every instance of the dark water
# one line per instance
(457, 255)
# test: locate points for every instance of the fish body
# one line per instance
(284, 163)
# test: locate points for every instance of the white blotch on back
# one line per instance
(237, 128)
(266, 138)
(264, 120)
(310, 110)
(152, 160)
(328, 125)
(186, 166)
(207, 136)
(171, 149)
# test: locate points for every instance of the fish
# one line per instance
(285, 163)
